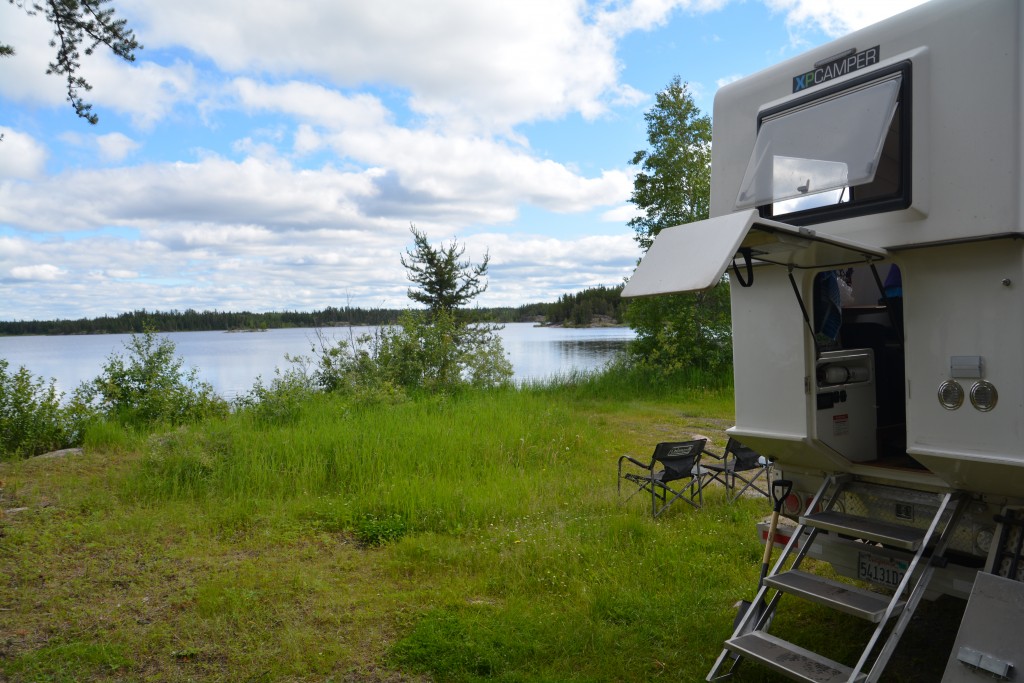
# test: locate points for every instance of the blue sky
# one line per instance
(271, 155)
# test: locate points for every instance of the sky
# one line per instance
(271, 156)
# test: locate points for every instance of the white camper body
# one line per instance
(870, 194)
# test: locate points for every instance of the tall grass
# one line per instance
(430, 464)
(621, 381)
(437, 464)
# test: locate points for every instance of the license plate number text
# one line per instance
(880, 570)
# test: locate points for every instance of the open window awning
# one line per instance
(829, 145)
(694, 256)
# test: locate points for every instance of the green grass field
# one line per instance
(471, 538)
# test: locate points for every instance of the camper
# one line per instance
(867, 211)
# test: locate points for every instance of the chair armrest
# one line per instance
(636, 462)
(714, 455)
(643, 466)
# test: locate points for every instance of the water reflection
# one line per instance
(539, 353)
(570, 348)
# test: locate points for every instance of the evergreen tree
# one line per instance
(437, 351)
(445, 283)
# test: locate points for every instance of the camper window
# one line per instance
(840, 150)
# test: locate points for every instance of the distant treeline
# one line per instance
(571, 309)
(579, 309)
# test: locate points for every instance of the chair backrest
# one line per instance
(679, 458)
(746, 458)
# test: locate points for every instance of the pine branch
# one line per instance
(80, 26)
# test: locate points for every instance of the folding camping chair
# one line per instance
(679, 462)
(739, 468)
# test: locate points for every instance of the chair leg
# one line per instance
(658, 492)
(751, 483)
(686, 494)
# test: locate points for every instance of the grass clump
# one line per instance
(372, 530)
(70, 662)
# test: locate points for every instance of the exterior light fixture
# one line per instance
(951, 394)
(984, 396)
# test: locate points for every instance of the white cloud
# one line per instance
(644, 15)
(23, 77)
(214, 190)
(262, 150)
(13, 250)
(313, 103)
(146, 92)
(530, 268)
(21, 155)
(122, 274)
(110, 148)
(44, 272)
(307, 140)
(621, 214)
(115, 147)
(837, 17)
(489, 65)
(436, 175)
(390, 173)
(480, 175)
(726, 80)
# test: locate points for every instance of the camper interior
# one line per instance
(860, 369)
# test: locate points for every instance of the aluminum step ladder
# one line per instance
(751, 639)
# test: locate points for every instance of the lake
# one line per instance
(231, 362)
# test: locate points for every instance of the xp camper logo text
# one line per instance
(836, 66)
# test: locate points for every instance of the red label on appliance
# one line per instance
(840, 425)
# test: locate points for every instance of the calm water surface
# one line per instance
(231, 362)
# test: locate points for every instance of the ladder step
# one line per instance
(790, 660)
(895, 535)
(839, 596)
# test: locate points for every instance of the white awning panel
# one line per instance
(694, 256)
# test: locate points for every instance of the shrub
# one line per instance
(372, 530)
(683, 331)
(430, 353)
(352, 368)
(32, 419)
(434, 351)
(150, 386)
(281, 401)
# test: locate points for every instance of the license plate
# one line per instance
(880, 570)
